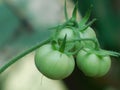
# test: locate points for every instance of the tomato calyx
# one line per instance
(91, 64)
(101, 52)
(62, 47)
(71, 27)
(84, 27)
(86, 17)
(65, 11)
(71, 22)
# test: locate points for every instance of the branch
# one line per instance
(13, 60)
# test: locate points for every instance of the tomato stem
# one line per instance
(97, 46)
(14, 59)
(74, 52)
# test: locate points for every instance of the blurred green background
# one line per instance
(24, 23)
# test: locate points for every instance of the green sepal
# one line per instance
(102, 52)
(97, 47)
(74, 13)
(85, 18)
(76, 32)
(62, 47)
(74, 52)
(86, 26)
(65, 11)
(55, 45)
(111, 53)
(60, 26)
(69, 46)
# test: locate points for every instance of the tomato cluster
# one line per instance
(58, 65)
(73, 41)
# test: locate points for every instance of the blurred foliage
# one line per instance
(24, 23)
(22, 26)
(8, 23)
(107, 27)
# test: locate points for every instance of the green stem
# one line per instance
(13, 60)
(97, 46)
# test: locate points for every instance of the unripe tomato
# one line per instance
(93, 65)
(88, 33)
(52, 63)
(66, 31)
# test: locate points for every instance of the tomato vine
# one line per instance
(54, 57)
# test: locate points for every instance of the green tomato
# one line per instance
(93, 65)
(88, 33)
(52, 63)
(66, 31)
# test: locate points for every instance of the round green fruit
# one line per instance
(93, 65)
(52, 63)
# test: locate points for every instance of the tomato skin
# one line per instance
(66, 31)
(53, 64)
(93, 65)
(88, 33)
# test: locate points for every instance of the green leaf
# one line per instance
(55, 45)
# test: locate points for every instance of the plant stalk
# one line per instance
(14, 59)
